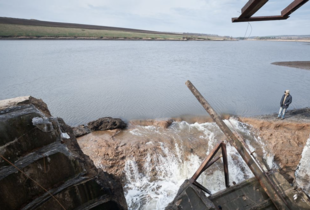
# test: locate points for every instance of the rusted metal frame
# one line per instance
(251, 7)
(260, 18)
(202, 187)
(211, 163)
(225, 162)
(292, 7)
(261, 177)
(261, 168)
(205, 162)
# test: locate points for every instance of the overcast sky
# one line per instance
(198, 16)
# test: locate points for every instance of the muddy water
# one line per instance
(303, 170)
(84, 80)
(153, 162)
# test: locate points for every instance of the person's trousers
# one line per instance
(282, 112)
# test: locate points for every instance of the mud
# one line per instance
(151, 152)
(286, 138)
(295, 64)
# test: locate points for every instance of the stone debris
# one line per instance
(106, 123)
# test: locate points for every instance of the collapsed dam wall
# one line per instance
(42, 167)
(153, 158)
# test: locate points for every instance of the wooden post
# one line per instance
(276, 198)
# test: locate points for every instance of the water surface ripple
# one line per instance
(84, 80)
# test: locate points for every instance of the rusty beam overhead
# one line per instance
(292, 7)
(251, 8)
(259, 18)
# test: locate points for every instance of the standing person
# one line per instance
(286, 100)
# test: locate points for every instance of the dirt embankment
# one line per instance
(294, 64)
(286, 138)
(111, 149)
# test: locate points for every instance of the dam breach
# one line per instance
(143, 166)
(268, 190)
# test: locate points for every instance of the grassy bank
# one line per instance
(46, 32)
(10, 30)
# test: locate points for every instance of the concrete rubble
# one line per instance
(42, 166)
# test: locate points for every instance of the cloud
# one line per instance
(201, 16)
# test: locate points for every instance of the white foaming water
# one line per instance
(251, 140)
(146, 190)
(303, 171)
(145, 193)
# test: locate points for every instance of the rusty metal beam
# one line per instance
(202, 187)
(205, 162)
(211, 163)
(276, 198)
(259, 18)
(224, 154)
(251, 8)
(292, 7)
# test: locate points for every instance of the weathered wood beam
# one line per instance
(251, 8)
(292, 7)
(272, 192)
(259, 18)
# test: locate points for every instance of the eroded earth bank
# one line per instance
(154, 157)
(139, 165)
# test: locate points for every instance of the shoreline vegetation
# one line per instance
(22, 29)
(25, 29)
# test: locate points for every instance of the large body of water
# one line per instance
(84, 80)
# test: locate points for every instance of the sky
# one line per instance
(194, 16)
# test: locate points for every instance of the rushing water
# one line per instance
(84, 80)
(144, 190)
(303, 170)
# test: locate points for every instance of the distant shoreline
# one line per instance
(104, 39)
(22, 29)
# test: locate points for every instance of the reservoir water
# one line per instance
(85, 80)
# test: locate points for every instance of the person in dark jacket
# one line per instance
(286, 100)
